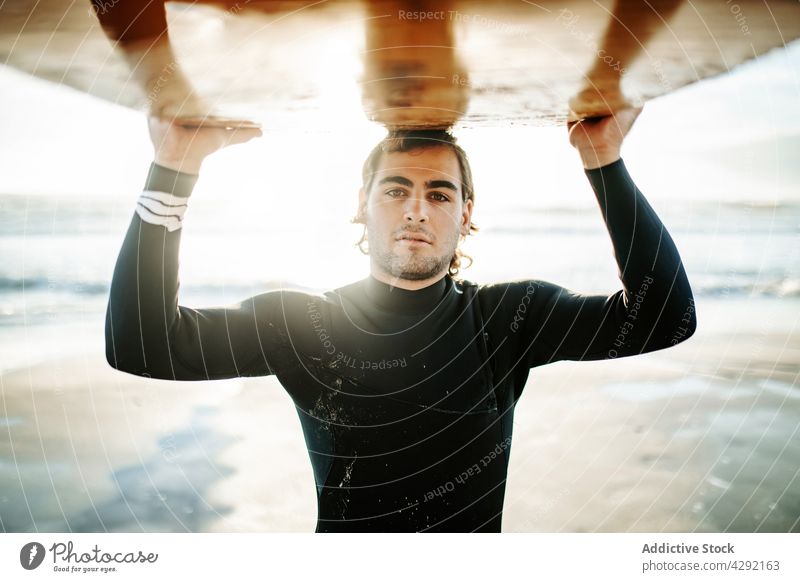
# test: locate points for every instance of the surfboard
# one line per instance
(326, 65)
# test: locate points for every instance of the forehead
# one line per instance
(426, 164)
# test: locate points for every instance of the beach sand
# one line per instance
(700, 438)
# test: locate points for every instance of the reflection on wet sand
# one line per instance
(671, 447)
(169, 491)
(78, 461)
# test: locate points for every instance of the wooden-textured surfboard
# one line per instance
(329, 65)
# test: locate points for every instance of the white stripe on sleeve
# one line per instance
(162, 209)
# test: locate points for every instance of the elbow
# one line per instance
(113, 359)
(683, 310)
(685, 331)
(110, 357)
(125, 367)
(119, 346)
(111, 351)
(691, 325)
(116, 355)
(686, 326)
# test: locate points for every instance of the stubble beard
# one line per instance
(412, 265)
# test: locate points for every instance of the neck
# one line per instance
(408, 284)
(393, 299)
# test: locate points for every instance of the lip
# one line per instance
(413, 237)
(411, 242)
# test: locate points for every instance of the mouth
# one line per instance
(413, 239)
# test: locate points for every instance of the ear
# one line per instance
(466, 217)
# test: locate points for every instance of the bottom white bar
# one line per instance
(485, 557)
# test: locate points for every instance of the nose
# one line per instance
(415, 210)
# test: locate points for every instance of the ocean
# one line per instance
(57, 256)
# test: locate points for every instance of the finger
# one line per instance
(630, 112)
(630, 115)
(242, 135)
(586, 123)
(576, 126)
(155, 122)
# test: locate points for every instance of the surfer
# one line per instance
(405, 382)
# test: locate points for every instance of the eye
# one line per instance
(395, 192)
(440, 197)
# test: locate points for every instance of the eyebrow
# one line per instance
(441, 184)
(429, 184)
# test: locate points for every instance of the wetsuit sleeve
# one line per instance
(654, 309)
(148, 333)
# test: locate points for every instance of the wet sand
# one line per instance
(703, 437)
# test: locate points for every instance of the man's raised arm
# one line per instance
(654, 310)
(147, 332)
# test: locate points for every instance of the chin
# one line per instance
(418, 269)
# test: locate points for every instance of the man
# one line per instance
(405, 382)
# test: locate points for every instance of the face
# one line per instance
(415, 214)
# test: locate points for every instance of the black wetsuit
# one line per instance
(406, 398)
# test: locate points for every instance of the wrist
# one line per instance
(164, 179)
(184, 166)
(594, 158)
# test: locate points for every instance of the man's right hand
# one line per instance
(183, 149)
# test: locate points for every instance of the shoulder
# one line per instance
(352, 293)
(288, 302)
(351, 289)
(515, 290)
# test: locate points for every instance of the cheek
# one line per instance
(377, 208)
(386, 211)
(449, 219)
(379, 219)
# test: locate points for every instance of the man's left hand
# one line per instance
(599, 139)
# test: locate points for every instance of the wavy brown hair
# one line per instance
(416, 139)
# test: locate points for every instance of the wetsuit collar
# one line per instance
(400, 300)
